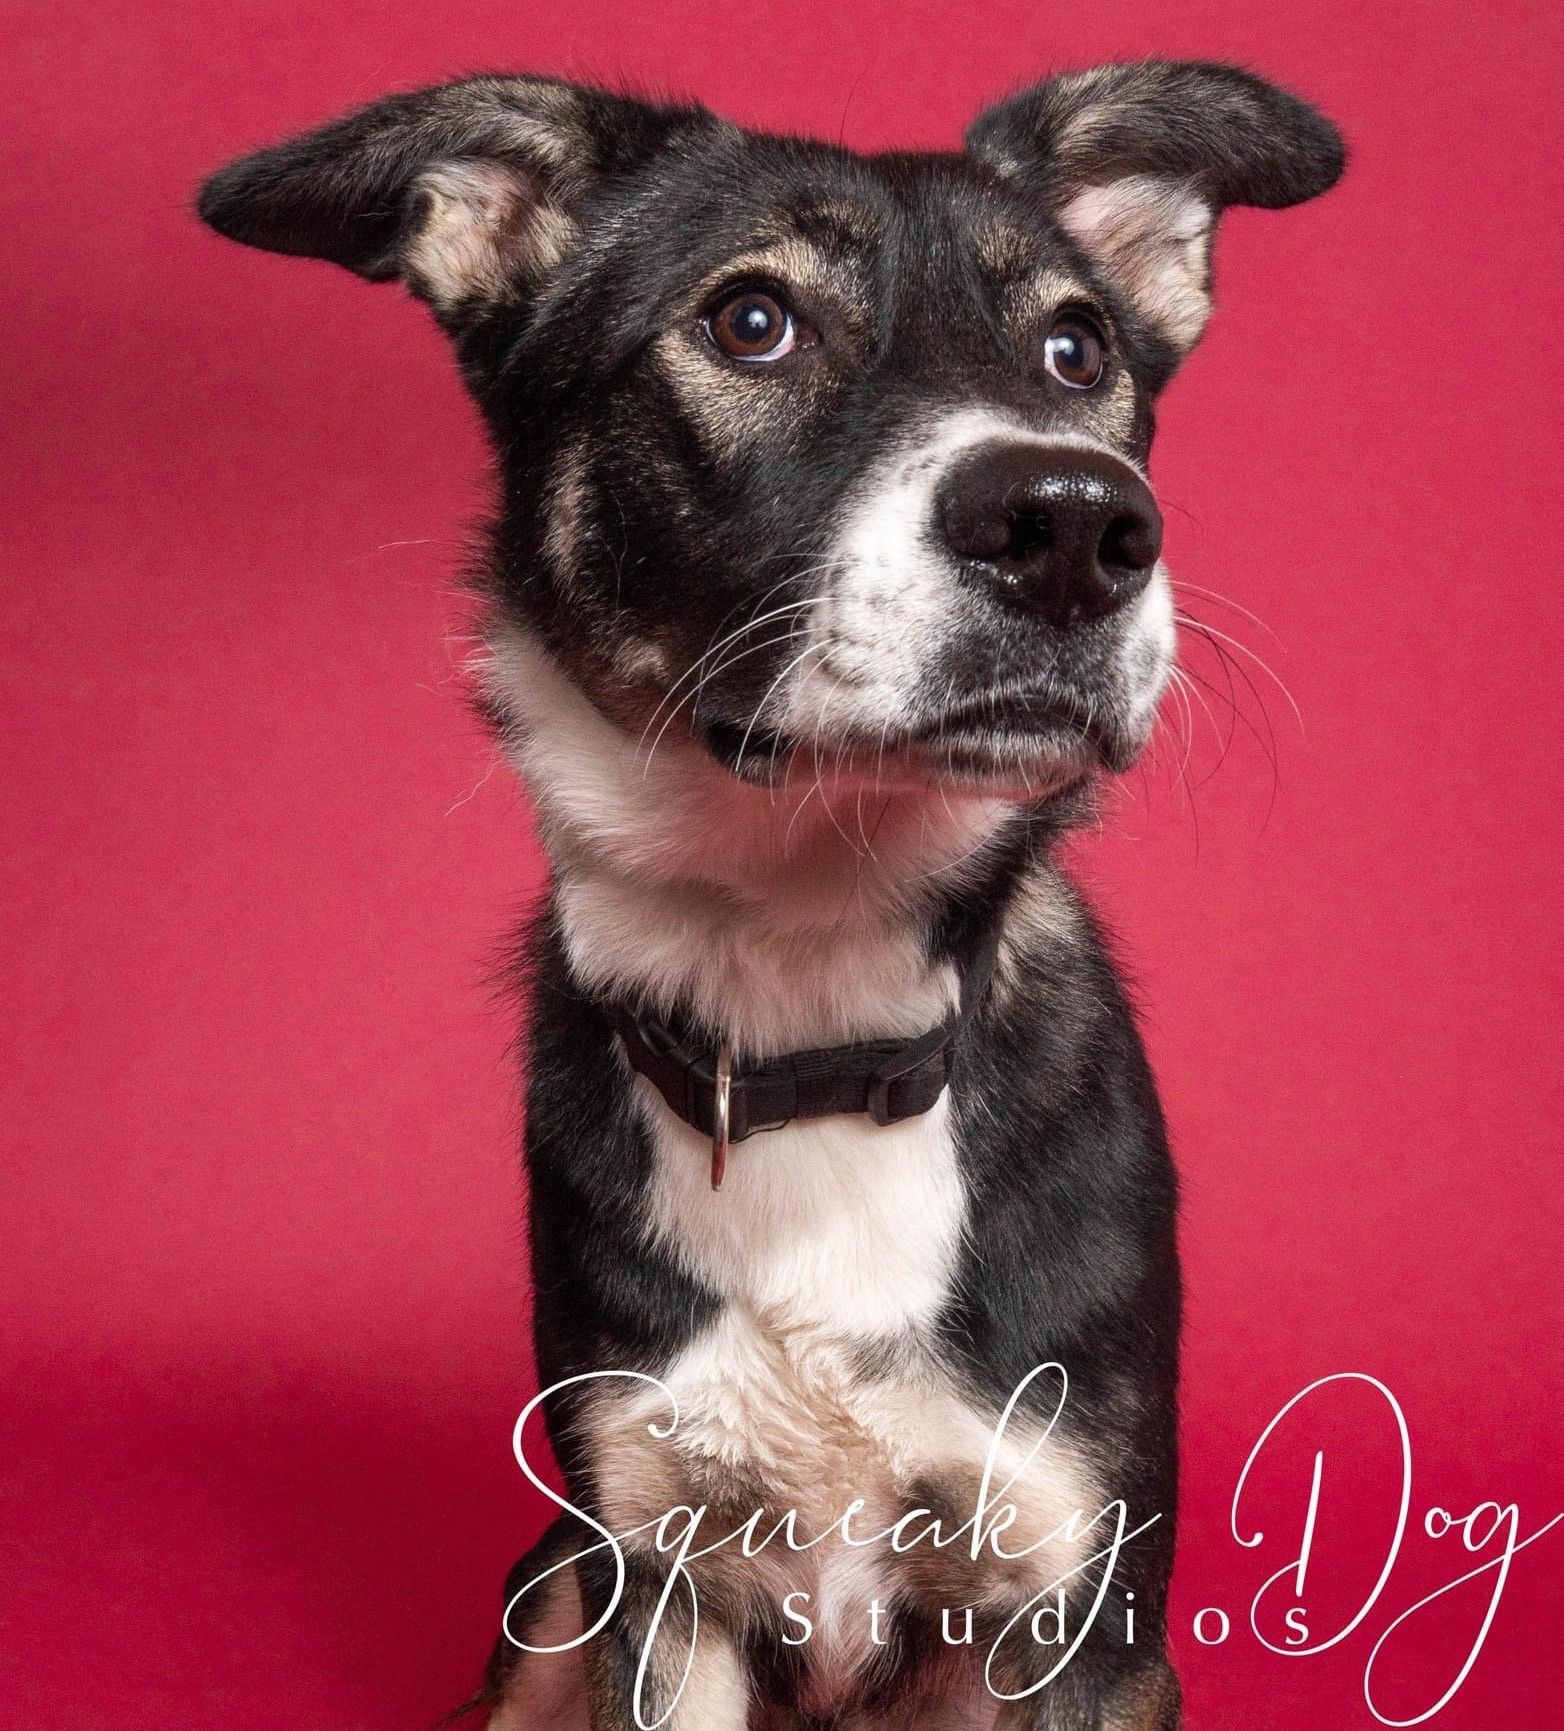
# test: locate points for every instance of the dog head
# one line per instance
(827, 461)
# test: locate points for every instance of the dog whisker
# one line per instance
(1211, 632)
(760, 707)
(1179, 585)
(696, 667)
(693, 696)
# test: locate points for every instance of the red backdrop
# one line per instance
(263, 1305)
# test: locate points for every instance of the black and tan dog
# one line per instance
(825, 581)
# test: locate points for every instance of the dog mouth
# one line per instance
(1033, 744)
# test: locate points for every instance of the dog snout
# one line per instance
(1065, 534)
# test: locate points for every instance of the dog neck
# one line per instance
(782, 917)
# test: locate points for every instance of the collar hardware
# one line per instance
(722, 1115)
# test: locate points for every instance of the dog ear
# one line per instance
(468, 192)
(1140, 160)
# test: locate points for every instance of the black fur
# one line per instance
(593, 236)
(1233, 136)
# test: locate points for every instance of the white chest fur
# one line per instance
(814, 1390)
(831, 1240)
(838, 1225)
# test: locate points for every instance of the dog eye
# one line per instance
(752, 326)
(1075, 352)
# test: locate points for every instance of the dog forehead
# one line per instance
(917, 206)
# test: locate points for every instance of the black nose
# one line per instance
(1067, 534)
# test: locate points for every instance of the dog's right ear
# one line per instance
(468, 193)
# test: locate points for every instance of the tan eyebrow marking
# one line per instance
(803, 258)
(838, 222)
(1038, 295)
(799, 264)
(787, 258)
(1004, 250)
(1026, 289)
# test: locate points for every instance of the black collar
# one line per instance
(888, 1079)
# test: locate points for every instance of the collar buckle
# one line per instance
(700, 1086)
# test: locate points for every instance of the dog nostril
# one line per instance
(997, 535)
(975, 533)
(1129, 543)
(1030, 534)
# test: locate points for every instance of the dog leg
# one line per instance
(1146, 1700)
(527, 1691)
(688, 1676)
(1149, 1701)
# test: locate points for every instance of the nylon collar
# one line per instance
(888, 1080)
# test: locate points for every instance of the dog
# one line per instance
(825, 586)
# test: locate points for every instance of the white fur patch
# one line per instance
(837, 1225)
(783, 1403)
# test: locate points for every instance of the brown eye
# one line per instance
(1074, 352)
(752, 326)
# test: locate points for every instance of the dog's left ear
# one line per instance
(1140, 160)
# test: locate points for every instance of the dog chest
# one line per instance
(813, 1411)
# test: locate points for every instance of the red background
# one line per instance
(263, 1306)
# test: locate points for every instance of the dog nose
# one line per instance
(1067, 534)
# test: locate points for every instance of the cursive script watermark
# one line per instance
(1080, 1552)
